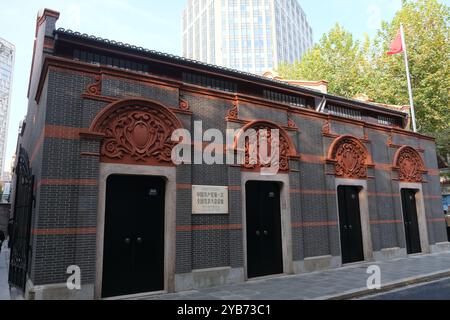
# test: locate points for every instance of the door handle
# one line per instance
(258, 233)
(345, 227)
(350, 227)
(139, 240)
(266, 233)
(127, 240)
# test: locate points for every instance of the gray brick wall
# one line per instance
(251, 111)
(122, 88)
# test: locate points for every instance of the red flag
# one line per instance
(397, 44)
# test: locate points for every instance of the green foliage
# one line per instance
(338, 58)
(427, 31)
(352, 67)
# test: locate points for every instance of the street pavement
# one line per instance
(4, 286)
(436, 290)
(343, 283)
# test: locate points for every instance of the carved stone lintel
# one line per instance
(350, 158)
(95, 88)
(409, 164)
(283, 144)
(137, 134)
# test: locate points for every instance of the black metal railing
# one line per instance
(20, 233)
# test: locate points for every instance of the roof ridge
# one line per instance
(125, 45)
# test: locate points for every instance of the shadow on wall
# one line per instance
(4, 217)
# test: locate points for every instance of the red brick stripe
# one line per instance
(209, 227)
(383, 166)
(68, 182)
(385, 221)
(62, 132)
(433, 197)
(433, 172)
(311, 158)
(314, 224)
(436, 220)
(64, 231)
(383, 194)
(234, 188)
(184, 186)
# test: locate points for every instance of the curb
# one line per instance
(358, 293)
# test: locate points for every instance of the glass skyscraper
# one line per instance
(248, 35)
(7, 52)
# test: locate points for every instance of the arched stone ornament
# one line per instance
(136, 131)
(287, 149)
(409, 165)
(349, 157)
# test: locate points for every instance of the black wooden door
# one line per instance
(264, 247)
(350, 224)
(133, 257)
(410, 221)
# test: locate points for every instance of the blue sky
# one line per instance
(153, 24)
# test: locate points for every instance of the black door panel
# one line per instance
(350, 224)
(410, 221)
(133, 258)
(264, 247)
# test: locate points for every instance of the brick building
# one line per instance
(354, 184)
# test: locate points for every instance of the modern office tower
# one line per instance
(248, 35)
(7, 51)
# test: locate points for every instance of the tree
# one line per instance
(338, 58)
(352, 67)
(427, 31)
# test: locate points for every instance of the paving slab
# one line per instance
(4, 286)
(342, 283)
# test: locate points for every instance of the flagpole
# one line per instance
(411, 101)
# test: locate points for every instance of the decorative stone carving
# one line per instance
(326, 129)
(184, 105)
(390, 140)
(366, 135)
(233, 113)
(95, 88)
(285, 145)
(292, 124)
(136, 132)
(409, 164)
(350, 158)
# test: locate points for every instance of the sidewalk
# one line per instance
(4, 286)
(343, 283)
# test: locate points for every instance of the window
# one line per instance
(209, 82)
(344, 112)
(284, 98)
(90, 57)
(387, 121)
